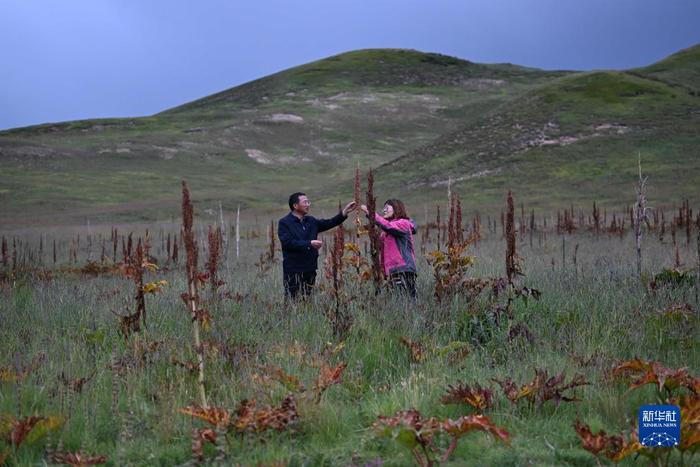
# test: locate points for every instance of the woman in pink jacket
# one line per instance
(398, 256)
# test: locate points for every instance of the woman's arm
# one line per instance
(397, 228)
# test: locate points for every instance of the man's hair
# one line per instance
(294, 199)
(399, 208)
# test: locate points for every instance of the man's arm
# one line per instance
(326, 224)
(289, 241)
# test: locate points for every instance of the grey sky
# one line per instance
(74, 59)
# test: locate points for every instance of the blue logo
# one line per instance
(659, 426)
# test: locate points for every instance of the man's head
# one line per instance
(299, 203)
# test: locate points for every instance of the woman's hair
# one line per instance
(399, 208)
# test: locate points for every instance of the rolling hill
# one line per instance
(420, 119)
(576, 139)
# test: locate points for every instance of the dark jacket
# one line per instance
(295, 236)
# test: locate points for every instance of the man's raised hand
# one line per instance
(350, 207)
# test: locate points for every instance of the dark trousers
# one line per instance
(298, 283)
(404, 282)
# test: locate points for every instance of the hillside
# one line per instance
(420, 118)
(574, 139)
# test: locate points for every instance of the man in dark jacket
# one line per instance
(297, 232)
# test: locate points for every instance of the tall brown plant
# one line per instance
(512, 264)
(115, 243)
(137, 263)
(358, 200)
(340, 319)
(451, 227)
(272, 241)
(374, 234)
(214, 240)
(596, 219)
(437, 224)
(512, 268)
(337, 261)
(640, 215)
(168, 248)
(458, 221)
(175, 251)
(4, 251)
(196, 314)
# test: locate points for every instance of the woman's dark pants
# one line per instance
(404, 282)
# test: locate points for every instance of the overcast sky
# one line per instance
(75, 59)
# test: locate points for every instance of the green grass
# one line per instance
(598, 308)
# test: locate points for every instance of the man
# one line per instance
(297, 232)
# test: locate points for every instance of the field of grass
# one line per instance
(594, 311)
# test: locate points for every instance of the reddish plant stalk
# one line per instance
(214, 238)
(374, 234)
(192, 296)
(511, 268)
(168, 248)
(458, 221)
(175, 252)
(272, 240)
(128, 246)
(137, 265)
(337, 262)
(437, 223)
(451, 234)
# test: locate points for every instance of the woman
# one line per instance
(398, 258)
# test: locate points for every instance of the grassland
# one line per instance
(423, 121)
(594, 312)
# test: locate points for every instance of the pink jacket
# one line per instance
(397, 242)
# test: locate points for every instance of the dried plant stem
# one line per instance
(238, 231)
(512, 267)
(640, 215)
(272, 240)
(214, 239)
(224, 238)
(198, 346)
(337, 263)
(437, 223)
(191, 247)
(137, 263)
(374, 234)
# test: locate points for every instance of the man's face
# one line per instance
(303, 205)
